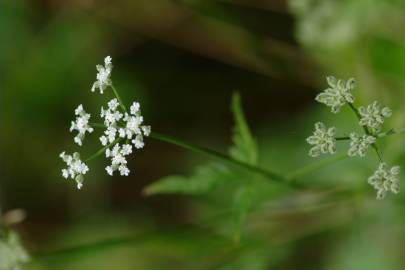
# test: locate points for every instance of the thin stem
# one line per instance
(97, 125)
(217, 155)
(359, 117)
(377, 151)
(391, 132)
(119, 98)
(102, 150)
(205, 151)
(380, 135)
(342, 138)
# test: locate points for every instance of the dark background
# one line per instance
(182, 60)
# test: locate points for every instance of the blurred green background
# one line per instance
(182, 59)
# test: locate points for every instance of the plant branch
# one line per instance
(217, 155)
(205, 151)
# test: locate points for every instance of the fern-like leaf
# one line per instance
(244, 145)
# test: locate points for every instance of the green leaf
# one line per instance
(205, 179)
(241, 206)
(244, 149)
(245, 146)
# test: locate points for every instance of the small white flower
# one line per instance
(135, 108)
(118, 160)
(323, 140)
(124, 171)
(138, 142)
(76, 168)
(385, 180)
(113, 104)
(338, 94)
(122, 132)
(81, 124)
(12, 253)
(111, 133)
(133, 126)
(146, 130)
(360, 144)
(126, 149)
(109, 170)
(373, 116)
(103, 140)
(103, 76)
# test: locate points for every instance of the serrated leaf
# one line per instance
(244, 145)
(203, 180)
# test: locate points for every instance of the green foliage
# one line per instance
(203, 180)
(241, 206)
(209, 177)
(245, 146)
(206, 178)
(244, 149)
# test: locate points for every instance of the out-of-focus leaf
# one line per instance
(245, 146)
(244, 149)
(207, 178)
(203, 180)
(241, 206)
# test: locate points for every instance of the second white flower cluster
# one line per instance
(371, 119)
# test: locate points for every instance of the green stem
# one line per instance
(391, 132)
(102, 150)
(356, 112)
(342, 138)
(119, 98)
(217, 155)
(97, 125)
(201, 150)
(380, 135)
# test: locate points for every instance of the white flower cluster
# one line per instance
(338, 94)
(323, 140)
(122, 126)
(12, 253)
(81, 124)
(373, 116)
(360, 144)
(385, 180)
(75, 168)
(103, 75)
